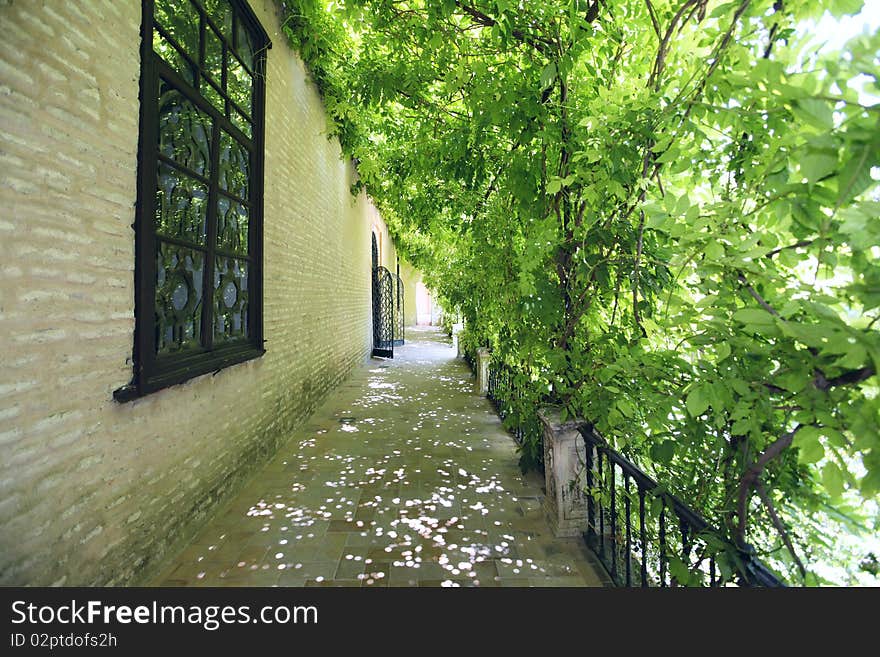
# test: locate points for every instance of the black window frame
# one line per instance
(152, 373)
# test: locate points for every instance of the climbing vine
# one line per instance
(662, 214)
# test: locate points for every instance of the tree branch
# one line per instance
(654, 21)
(796, 245)
(757, 297)
(660, 59)
(847, 378)
(616, 297)
(539, 43)
(777, 7)
(635, 290)
(780, 527)
(750, 478)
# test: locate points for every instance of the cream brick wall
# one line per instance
(387, 250)
(97, 492)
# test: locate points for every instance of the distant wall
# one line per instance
(411, 278)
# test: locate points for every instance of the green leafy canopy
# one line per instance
(663, 214)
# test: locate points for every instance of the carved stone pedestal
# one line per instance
(456, 344)
(565, 504)
(483, 357)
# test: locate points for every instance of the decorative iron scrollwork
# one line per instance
(383, 313)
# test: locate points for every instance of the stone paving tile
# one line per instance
(403, 477)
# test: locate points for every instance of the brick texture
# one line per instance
(94, 492)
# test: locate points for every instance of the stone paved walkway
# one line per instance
(403, 477)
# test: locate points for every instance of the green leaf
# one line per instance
(625, 407)
(741, 427)
(669, 155)
(682, 206)
(870, 484)
(698, 400)
(657, 221)
(721, 10)
(834, 437)
(662, 452)
(845, 7)
(859, 225)
(755, 317)
(809, 444)
(548, 75)
(814, 112)
(818, 164)
(792, 381)
(722, 351)
(679, 571)
(855, 176)
(607, 373)
(833, 479)
(855, 357)
(714, 250)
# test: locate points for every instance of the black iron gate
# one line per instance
(383, 313)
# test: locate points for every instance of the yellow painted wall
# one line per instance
(411, 277)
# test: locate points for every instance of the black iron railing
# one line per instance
(504, 394)
(645, 536)
(642, 534)
(508, 398)
(501, 393)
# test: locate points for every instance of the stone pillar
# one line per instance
(483, 356)
(565, 503)
(456, 329)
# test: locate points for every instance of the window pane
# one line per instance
(232, 225)
(234, 166)
(230, 300)
(213, 57)
(221, 13)
(181, 20)
(240, 122)
(184, 131)
(239, 85)
(209, 92)
(179, 274)
(181, 204)
(170, 54)
(243, 44)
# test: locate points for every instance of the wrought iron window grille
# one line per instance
(198, 226)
